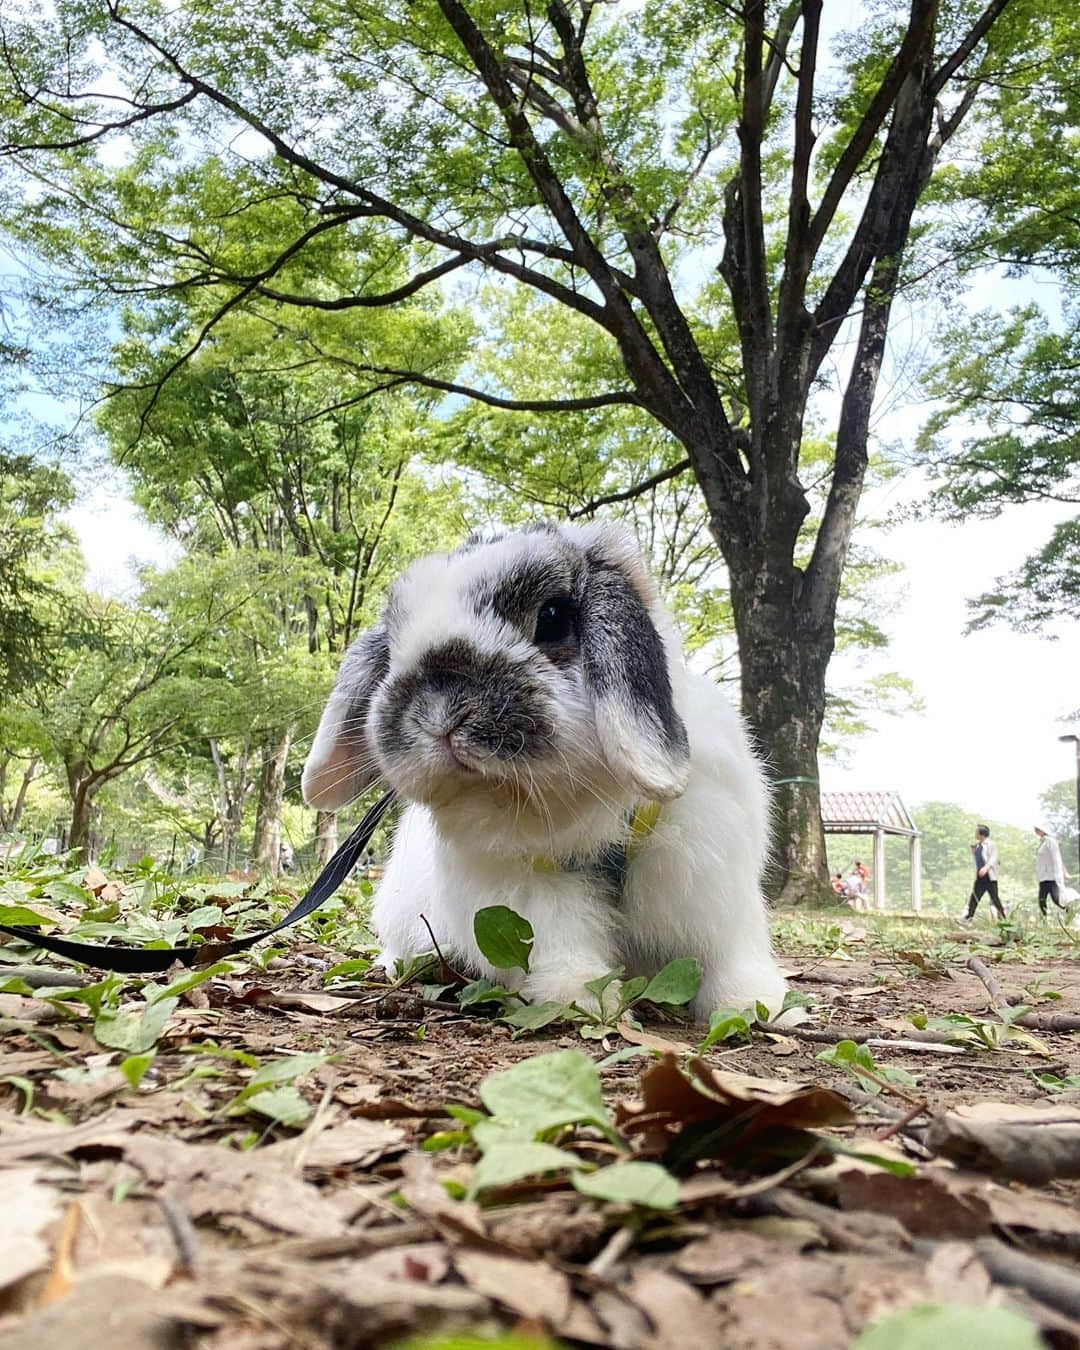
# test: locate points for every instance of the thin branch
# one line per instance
(638, 490)
(402, 292)
(372, 203)
(978, 31)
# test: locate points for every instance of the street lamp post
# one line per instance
(1076, 746)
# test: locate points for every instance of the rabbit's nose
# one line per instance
(442, 718)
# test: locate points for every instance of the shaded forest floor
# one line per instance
(268, 1161)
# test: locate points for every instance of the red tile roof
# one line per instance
(865, 810)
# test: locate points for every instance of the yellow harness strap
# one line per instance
(641, 825)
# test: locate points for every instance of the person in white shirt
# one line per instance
(1049, 871)
(985, 853)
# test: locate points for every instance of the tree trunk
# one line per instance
(9, 820)
(266, 850)
(783, 663)
(326, 840)
(20, 798)
(231, 798)
(82, 801)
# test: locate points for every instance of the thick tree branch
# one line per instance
(903, 170)
(402, 292)
(648, 371)
(920, 26)
(778, 48)
(537, 405)
(586, 403)
(751, 296)
(651, 274)
(791, 303)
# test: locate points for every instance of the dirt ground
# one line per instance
(173, 1213)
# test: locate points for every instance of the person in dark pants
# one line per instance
(1049, 871)
(985, 853)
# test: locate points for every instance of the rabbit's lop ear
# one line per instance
(341, 763)
(626, 668)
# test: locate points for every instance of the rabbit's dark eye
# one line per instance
(555, 620)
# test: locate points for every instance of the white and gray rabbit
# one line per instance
(526, 695)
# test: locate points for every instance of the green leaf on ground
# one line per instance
(135, 1066)
(562, 1088)
(631, 1183)
(509, 1162)
(282, 1104)
(134, 1033)
(678, 982)
(727, 1024)
(533, 1016)
(279, 1071)
(21, 916)
(190, 981)
(483, 991)
(955, 1325)
(357, 966)
(505, 938)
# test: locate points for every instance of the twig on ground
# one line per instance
(917, 1110)
(864, 1036)
(1033, 1020)
(1037, 1021)
(447, 968)
(43, 977)
(181, 1230)
(616, 1247)
(843, 1231)
(1051, 1284)
(998, 997)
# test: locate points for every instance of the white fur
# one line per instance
(692, 887)
(469, 840)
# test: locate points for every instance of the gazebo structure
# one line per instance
(879, 814)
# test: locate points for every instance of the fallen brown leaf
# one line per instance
(680, 1316)
(119, 1312)
(924, 1206)
(723, 1255)
(21, 1138)
(216, 1181)
(28, 1207)
(673, 1100)
(427, 1196)
(355, 1143)
(94, 879)
(651, 1041)
(532, 1289)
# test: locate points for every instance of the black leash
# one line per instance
(132, 960)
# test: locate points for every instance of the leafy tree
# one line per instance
(1015, 380)
(36, 553)
(117, 696)
(1013, 377)
(282, 481)
(708, 196)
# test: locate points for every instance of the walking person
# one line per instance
(985, 853)
(1049, 871)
